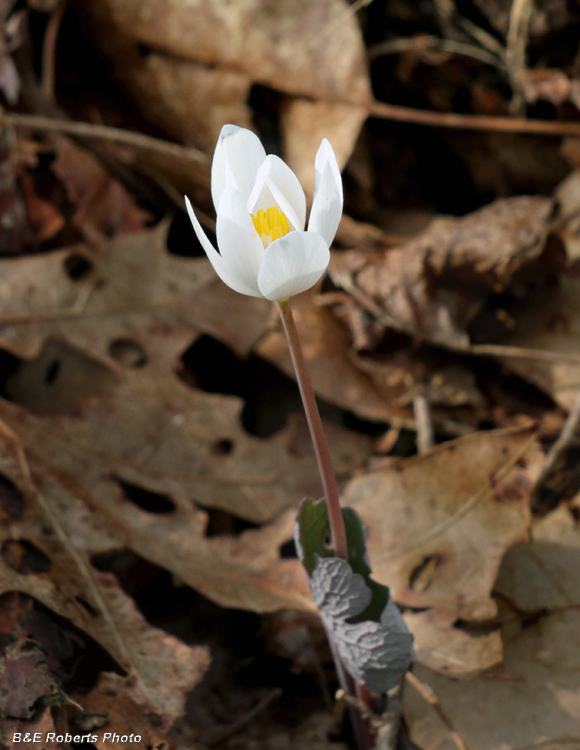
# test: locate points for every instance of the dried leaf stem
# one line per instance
(49, 50)
(105, 133)
(316, 431)
(563, 441)
(376, 109)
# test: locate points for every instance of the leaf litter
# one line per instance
(114, 447)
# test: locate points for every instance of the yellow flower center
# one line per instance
(270, 224)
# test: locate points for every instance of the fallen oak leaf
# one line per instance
(161, 669)
(24, 679)
(438, 525)
(191, 82)
(111, 698)
(550, 324)
(534, 698)
(432, 286)
(159, 432)
(334, 374)
(41, 724)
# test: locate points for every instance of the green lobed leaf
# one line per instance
(362, 621)
(312, 542)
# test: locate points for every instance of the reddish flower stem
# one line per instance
(363, 734)
(327, 475)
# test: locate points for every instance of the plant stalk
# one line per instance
(327, 475)
(363, 735)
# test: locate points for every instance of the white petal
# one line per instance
(326, 207)
(292, 264)
(276, 179)
(240, 245)
(216, 259)
(237, 158)
(325, 155)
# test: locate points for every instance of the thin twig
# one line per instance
(422, 412)
(357, 710)
(517, 352)
(374, 109)
(516, 43)
(424, 42)
(223, 734)
(487, 40)
(427, 693)
(472, 122)
(49, 50)
(563, 441)
(105, 133)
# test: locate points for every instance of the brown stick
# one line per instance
(472, 122)
(105, 133)
(49, 50)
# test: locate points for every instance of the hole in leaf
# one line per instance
(144, 50)
(212, 367)
(177, 608)
(421, 576)
(128, 352)
(77, 266)
(11, 500)
(24, 557)
(58, 381)
(223, 447)
(89, 608)
(477, 627)
(181, 238)
(147, 500)
(222, 523)
(288, 550)
(52, 372)
(266, 104)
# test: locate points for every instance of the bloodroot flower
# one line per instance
(261, 213)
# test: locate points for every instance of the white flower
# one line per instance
(261, 212)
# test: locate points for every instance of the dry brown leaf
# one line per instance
(438, 526)
(304, 123)
(45, 218)
(334, 374)
(551, 324)
(533, 701)
(315, 50)
(111, 698)
(433, 286)
(197, 72)
(101, 202)
(378, 388)
(117, 372)
(547, 85)
(535, 698)
(60, 530)
(24, 678)
(42, 724)
(100, 405)
(543, 575)
(567, 196)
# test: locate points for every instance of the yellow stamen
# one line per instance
(270, 224)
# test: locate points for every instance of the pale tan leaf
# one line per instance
(438, 526)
